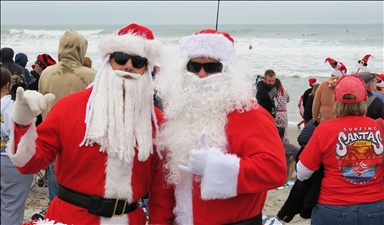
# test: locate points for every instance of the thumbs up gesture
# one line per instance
(28, 105)
(198, 158)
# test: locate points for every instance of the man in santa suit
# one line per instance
(102, 139)
(224, 149)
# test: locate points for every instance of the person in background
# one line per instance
(87, 62)
(102, 138)
(375, 107)
(322, 107)
(290, 153)
(301, 111)
(266, 92)
(281, 116)
(378, 91)
(309, 105)
(42, 62)
(14, 186)
(62, 79)
(214, 124)
(18, 78)
(312, 81)
(352, 160)
(21, 59)
(380, 83)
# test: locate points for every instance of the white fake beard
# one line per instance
(193, 106)
(121, 118)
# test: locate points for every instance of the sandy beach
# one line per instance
(275, 199)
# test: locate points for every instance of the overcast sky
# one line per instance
(190, 12)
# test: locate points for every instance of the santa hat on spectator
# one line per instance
(44, 60)
(363, 63)
(312, 81)
(208, 43)
(133, 39)
(337, 68)
(380, 80)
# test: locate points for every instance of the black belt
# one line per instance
(257, 220)
(106, 207)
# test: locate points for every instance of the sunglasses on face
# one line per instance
(122, 58)
(212, 67)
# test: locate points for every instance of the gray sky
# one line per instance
(190, 12)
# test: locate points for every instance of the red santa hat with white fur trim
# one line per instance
(208, 43)
(380, 80)
(337, 68)
(363, 63)
(133, 40)
(312, 81)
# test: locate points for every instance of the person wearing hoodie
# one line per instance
(64, 78)
(18, 77)
(21, 59)
(322, 107)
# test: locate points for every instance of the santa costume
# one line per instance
(102, 139)
(217, 116)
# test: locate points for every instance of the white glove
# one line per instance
(198, 158)
(28, 105)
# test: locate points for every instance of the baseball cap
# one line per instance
(367, 76)
(353, 85)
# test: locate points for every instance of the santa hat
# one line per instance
(312, 81)
(379, 80)
(362, 64)
(337, 68)
(352, 84)
(44, 60)
(208, 43)
(133, 39)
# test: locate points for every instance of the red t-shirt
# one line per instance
(351, 150)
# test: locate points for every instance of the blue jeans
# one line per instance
(53, 186)
(364, 213)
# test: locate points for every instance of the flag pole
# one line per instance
(217, 17)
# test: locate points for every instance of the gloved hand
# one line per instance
(28, 105)
(198, 158)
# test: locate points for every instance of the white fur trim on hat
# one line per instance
(133, 45)
(336, 72)
(215, 46)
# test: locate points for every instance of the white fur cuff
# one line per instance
(26, 147)
(220, 177)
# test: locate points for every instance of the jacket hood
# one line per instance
(72, 46)
(6, 54)
(21, 59)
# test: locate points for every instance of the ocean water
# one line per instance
(294, 51)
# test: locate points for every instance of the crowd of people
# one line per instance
(193, 137)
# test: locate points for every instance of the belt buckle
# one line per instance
(116, 203)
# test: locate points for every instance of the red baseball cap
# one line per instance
(351, 84)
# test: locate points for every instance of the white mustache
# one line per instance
(125, 73)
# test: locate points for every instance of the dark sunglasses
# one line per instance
(213, 67)
(122, 58)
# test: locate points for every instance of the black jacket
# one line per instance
(18, 78)
(303, 196)
(376, 109)
(263, 98)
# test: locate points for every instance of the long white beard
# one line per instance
(193, 106)
(121, 118)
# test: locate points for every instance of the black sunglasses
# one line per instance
(122, 58)
(212, 67)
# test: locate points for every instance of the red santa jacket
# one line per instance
(87, 170)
